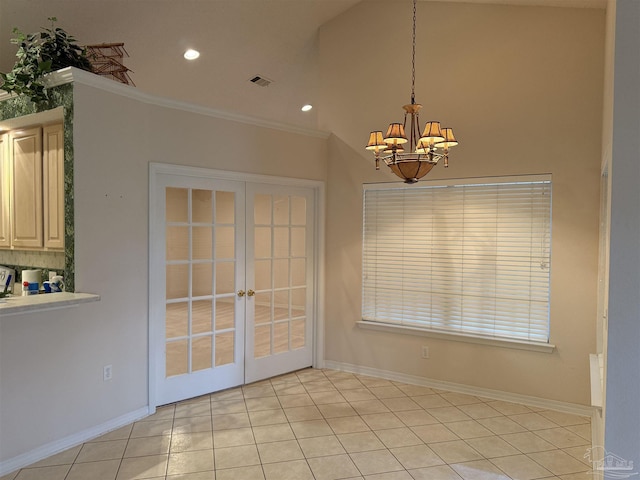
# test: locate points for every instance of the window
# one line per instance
(468, 258)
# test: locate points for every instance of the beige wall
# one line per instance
(509, 79)
(51, 362)
(523, 88)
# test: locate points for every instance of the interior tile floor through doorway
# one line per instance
(329, 425)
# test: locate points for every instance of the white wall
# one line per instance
(622, 416)
(522, 87)
(51, 363)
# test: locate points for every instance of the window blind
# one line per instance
(471, 259)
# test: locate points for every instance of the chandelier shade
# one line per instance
(395, 134)
(432, 133)
(376, 142)
(422, 152)
(449, 139)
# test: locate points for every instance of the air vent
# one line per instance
(261, 81)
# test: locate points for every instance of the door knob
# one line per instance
(251, 293)
(241, 293)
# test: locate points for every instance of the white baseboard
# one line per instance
(62, 444)
(566, 407)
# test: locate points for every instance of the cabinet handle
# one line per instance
(241, 293)
(251, 293)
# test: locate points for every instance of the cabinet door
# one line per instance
(5, 236)
(53, 186)
(26, 187)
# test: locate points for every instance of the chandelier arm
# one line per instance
(404, 125)
(416, 133)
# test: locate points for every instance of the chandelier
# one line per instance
(423, 151)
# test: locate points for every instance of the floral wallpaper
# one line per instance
(60, 96)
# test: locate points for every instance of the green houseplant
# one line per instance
(39, 54)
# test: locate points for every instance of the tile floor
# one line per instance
(326, 425)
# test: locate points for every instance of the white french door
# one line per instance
(198, 320)
(279, 327)
(231, 294)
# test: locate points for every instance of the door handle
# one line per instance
(251, 293)
(241, 293)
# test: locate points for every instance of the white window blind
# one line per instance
(469, 259)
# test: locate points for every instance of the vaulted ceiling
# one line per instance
(238, 39)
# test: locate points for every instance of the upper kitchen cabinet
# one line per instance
(25, 162)
(32, 188)
(53, 186)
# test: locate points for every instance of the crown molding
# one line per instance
(75, 75)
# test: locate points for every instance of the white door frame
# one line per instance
(318, 187)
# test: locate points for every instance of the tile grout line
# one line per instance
(264, 475)
(306, 381)
(123, 453)
(306, 460)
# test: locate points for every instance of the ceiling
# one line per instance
(238, 39)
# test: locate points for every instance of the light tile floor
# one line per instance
(329, 425)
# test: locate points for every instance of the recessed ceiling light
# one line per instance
(191, 54)
(306, 108)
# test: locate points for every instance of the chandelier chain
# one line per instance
(413, 57)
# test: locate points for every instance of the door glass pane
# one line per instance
(280, 210)
(177, 358)
(281, 337)
(177, 243)
(202, 247)
(263, 274)
(201, 317)
(281, 305)
(280, 273)
(225, 277)
(262, 209)
(262, 242)
(200, 253)
(177, 319)
(201, 207)
(298, 272)
(177, 281)
(262, 308)
(201, 353)
(225, 313)
(177, 205)
(225, 242)
(298, 247)
(262, 341)
(298, 302)
(224, 348)
(298, 211)
(225, 207)
(297, 334)
(281, 242)
(202, 281)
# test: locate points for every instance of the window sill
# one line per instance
(44, 302)
(494, 342)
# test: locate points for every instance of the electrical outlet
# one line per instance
(107, 373)
(425, 352)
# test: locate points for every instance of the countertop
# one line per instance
(49, 301)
